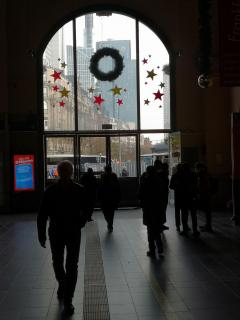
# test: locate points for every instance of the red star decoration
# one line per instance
(158, 95)
(56, 75)
(144, 61)
(55, 88)
(119, 102)
(61, 103)
(98, 99)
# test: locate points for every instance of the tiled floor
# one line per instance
(195, 279)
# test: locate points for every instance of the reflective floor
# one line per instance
(194, 279)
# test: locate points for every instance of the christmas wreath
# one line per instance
(98, 55)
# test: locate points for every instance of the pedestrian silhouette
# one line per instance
(109, 195)
(175, 184)
(63, 204)
(152, 201)
(188, 197)
(206, 189)
(89, 181)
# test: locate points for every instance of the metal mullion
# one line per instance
(137, 76)
(75, 75)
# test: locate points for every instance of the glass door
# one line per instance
(92, 154)
(57, 148)
(123, 154)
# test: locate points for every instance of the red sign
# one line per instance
(229, 36)
(23, 172)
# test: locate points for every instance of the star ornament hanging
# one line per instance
(55, 88)
(90, 90)
(116, 90)
(162, 85)
(63, 65)
(61, 103)
(146, 101)
(98, 100)
(64, 92)
(144, 61)
(158, 95)
(119, 102)
(56, 75)
(151, 74)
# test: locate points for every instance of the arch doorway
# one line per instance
(106, 98)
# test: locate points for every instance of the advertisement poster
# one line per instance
(24, 172)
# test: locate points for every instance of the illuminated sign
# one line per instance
(23, 172)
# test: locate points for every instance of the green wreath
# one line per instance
(106, 76)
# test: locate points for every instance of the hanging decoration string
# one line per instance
(205, 43)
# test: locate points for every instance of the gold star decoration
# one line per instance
(63, 65)
(116, 90)
(64, 92)
(151, 74)
(146, 101)
(90, 90)
(162, 85)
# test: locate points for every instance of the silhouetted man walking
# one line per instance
(109, 194)
(63, 204)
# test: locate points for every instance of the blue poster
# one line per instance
(24, 176)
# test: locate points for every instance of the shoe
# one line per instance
(184, 233)
(68, 309)
(196, 234)
(110, 229)
(151, 254)
(165, 227)
(60, 292)
(206, 229)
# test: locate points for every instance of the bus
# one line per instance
(149, 158)
(94, 161)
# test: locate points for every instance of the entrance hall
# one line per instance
(195, 279)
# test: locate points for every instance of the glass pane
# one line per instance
(154, 81)
(153, 146)
(92, 153)
(58, 149)
(106, 104)
(58, 89)
(123, 156)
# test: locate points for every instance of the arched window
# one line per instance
(78, 100)
(106, 89)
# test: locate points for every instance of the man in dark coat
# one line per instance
(206, 189)
(109, 195)
(188, 198)
(89, 181)
(63, 204)
(152, 200)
